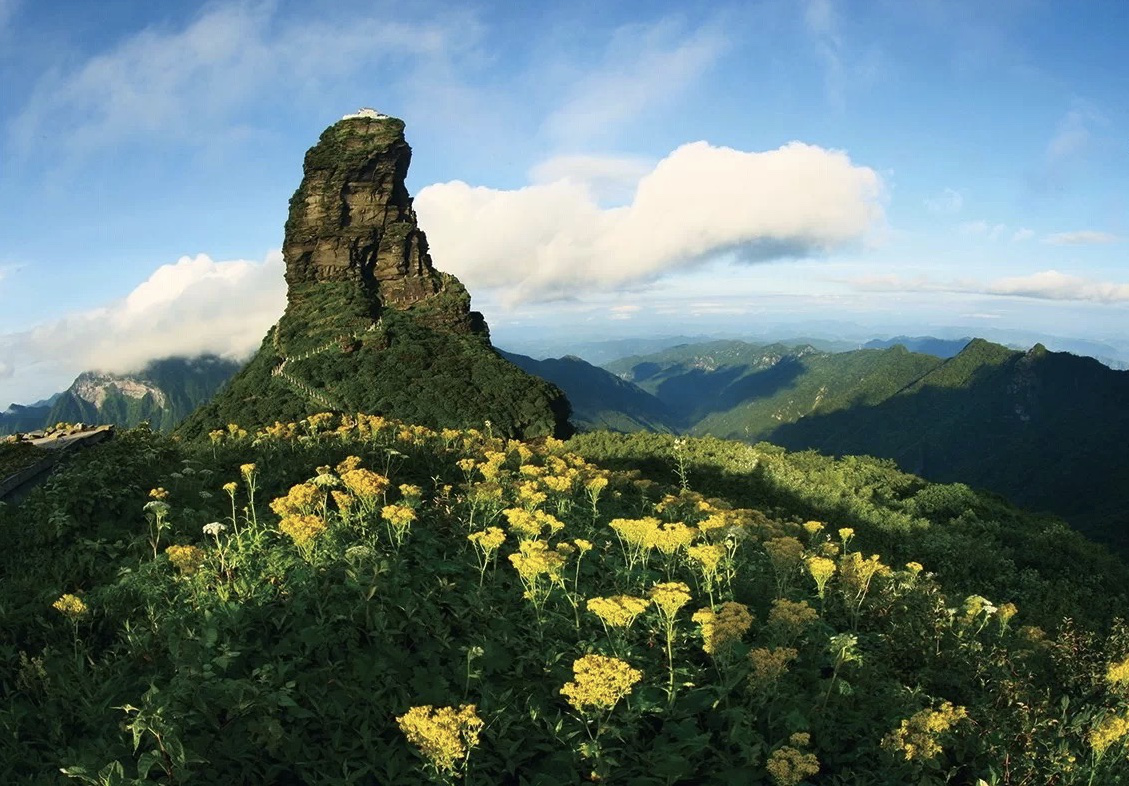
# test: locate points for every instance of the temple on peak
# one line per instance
(366, 113)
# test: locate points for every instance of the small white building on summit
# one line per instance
(367, 113)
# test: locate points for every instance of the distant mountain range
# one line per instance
(1048, 430)
(163, 393)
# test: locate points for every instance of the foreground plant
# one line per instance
(444, 736)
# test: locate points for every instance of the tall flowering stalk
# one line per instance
(157, 512)
(598, 684)
(250, 476)
(486, 544)
(669, 597)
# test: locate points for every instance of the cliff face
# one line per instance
(370, 324)
(351, 221)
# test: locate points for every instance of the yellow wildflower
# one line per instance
(247, 471)
(769, 665)
(596, 485)
(529, 494)
(1109, 730)
(366, 484)
(489, 540)
(522, 522)
(720, 628)
(856, 574)
(669, 597)
(791, 618)
(230, 488)
(789, 765)
(618, 611)
(915, 567)
(302, 529)
(444, 735)
(1117, 675)
(785, 554)
(344, 501)
(599, 682)
(669, 538)
(466, 465)
(845, 534)
(71, 606)
(821, 569)
(813, 528)
(410, 492)
(917, 735)
(348, 464)
(186, 559)
(302, 499)
(584, 545)
(561, 484)
(399, 516)
(158, 493)
(534, 560)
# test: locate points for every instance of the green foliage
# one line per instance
(261, 651)
(405, 369)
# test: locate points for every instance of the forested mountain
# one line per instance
(939, 347)
(1045, 429)
(163, 393)
(599, 399)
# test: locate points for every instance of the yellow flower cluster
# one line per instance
(721, 628)
(769, 665)
(531, 523)
(158, 493)
(1109, 730)
(70, 606)
(319, 421)
(186, 559)
(669, 597)
(344, 501)
(789, 765)
(365, 483)
(302, 529)
(636, 532)
(230, 488)
(535, 559)
(1117, 675)
(669, 538)
(821, 569)
(917, 735)
(348, 464)
(247, 471)
(445, 735)
(489, 540)
(410, 492)
(785, 554)
(399, 516)
(618, 611)
(813, 528)
(856, 573)
(529, 494)
(302, 499)
(599, 682)
(790, 618)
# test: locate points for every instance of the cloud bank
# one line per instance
(193, 306)
(553, 240)
(1084, 237)
(1044, 285)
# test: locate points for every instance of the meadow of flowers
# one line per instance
(353, 600)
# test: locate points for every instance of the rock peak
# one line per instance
(351, 221)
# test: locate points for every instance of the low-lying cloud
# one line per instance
(1084, 237)
(1044, 285)
(553, 240)
(193, 306)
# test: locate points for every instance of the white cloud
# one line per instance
(645, 66)
(1044, 285)
(188, 83)
(1021, 234)
(608, 178)
(947, 202)
(190, 307)
(553, 240)
(1085, 237)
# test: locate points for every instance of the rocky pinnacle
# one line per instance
(351, 220)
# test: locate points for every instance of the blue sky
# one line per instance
(602, 168)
